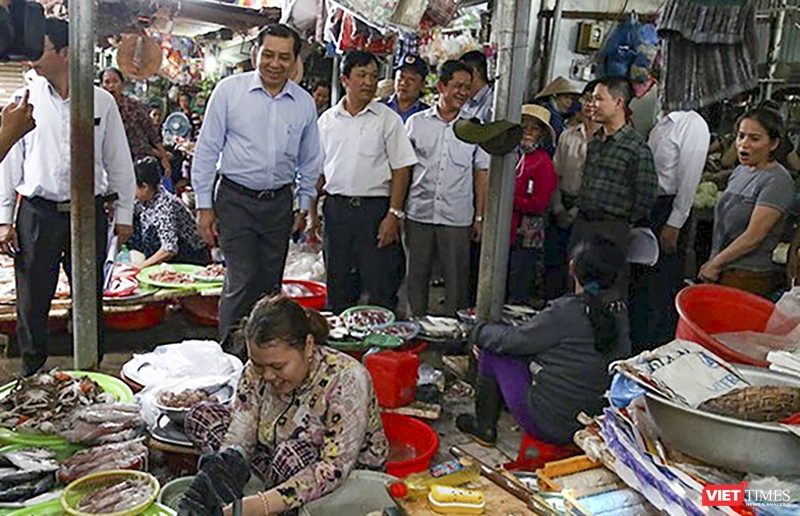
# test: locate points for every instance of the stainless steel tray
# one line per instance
(764, 448)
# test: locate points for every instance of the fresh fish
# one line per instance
(29, 490)
(36, 459)
(20, 477)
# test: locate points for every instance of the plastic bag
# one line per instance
(786, 316)
(409, 13)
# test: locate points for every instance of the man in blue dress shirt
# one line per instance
(409, 80)
(260, 136)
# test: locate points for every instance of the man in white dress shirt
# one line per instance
(447, 195)
(38, 169)
(366, 174)
(679, 142)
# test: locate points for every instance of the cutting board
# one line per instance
(498, 502)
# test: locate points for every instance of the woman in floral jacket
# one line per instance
(535, 183)
(304, 416)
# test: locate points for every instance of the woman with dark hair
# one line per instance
(556, 365)
(143, 138)
(750, 215)
(163, 227)
(304, 417)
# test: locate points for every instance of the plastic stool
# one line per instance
(544, 453)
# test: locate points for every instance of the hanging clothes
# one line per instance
(709, 51)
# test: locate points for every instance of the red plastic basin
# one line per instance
(705, 310)
(204, 310)
(407, 431)
(318, 297)
(148, 316)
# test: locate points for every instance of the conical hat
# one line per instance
(138, 56)
(559, 86)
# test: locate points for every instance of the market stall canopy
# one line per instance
(196, 17)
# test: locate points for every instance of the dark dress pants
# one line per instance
(351, 242)
(652, 307)
(45, 243)
(427, 243)
(254, 235)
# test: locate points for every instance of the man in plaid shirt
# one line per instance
(620, 184)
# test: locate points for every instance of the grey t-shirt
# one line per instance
(747, 189)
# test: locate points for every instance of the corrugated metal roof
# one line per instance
(790, 45)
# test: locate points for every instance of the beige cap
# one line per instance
(541, 114)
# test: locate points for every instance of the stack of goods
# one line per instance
(683, 418)
(587, 487)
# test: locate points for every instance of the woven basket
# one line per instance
(77, 490)
(761, 404)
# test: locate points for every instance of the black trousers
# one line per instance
(351, 243)
(45, 243)
(254, 235)
(652, 303)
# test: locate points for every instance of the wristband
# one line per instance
(479, 218)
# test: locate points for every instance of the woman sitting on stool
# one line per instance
(561, 355)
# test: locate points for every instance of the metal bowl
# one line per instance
(224, 394)
(763, 448)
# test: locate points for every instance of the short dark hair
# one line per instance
(449, 68)
(185, 93)
(280, 30)
(58, 31)
(477, 61)
(619, 87)
(357, 59)
(320, 84)
(589, 88)
(113, 70)
(148, 172)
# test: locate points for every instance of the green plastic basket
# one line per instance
(77, 490)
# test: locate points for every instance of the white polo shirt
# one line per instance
(361, 151)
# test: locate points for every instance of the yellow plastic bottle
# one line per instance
(451, 473)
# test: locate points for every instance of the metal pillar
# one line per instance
(84, 252)
(555, 36)
(510, 22)
(777, 28)
(335, 78)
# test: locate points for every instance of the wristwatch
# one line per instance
(400, 214)
(479, 218)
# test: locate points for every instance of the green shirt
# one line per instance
(619, 177)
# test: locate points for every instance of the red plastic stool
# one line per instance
(544, 453)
